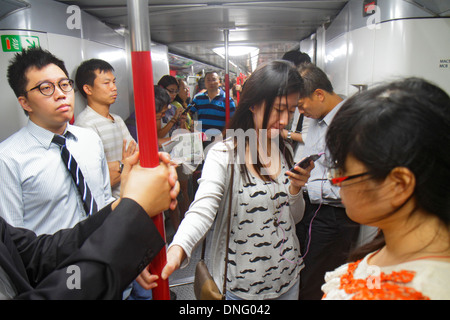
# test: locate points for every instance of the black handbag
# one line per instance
(204, 286)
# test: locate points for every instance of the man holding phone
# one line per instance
(325, 233)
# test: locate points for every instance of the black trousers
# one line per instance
(333, 236)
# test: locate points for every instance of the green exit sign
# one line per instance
(15, 43)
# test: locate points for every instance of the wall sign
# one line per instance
(369, 7)
(16, 43)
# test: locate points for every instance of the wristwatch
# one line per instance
(120, 166)
(289, 135)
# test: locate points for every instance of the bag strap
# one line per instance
(203, 250)
(300, 123)
(228, 231)
(299, 128)
(224, 288)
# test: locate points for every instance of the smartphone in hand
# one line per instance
(305, 162)
(187, 109)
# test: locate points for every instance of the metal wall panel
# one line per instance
(51, 22)
(403, 39)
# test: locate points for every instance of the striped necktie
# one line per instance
(88, 200)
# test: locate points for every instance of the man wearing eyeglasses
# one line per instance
(36, 182)
(325, 233)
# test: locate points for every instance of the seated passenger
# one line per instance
(389, 148)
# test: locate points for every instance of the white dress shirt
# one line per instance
(37, 191)
(319, 188)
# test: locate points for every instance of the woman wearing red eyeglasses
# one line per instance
(390, 148)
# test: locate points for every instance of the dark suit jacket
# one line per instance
(110, 248)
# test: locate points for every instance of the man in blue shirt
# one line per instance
(210, 106)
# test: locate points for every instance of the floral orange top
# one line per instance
(413, 280)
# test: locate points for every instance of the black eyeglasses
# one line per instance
(48, 88)
(337, 180)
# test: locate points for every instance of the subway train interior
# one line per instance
(357, 43)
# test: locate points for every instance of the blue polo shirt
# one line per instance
(212, 113)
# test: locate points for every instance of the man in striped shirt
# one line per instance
(36, 190)
(97, 83)
(210, 105)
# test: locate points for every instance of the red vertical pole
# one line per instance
(145, 108)
(144, 99)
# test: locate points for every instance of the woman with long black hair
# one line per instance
(264, 259)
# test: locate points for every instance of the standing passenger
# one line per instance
(264, 252)
(108, 250)
(174, 118)
(389, 147)
(97, 83)
(141, 289)
(326, 234)
(35, 181)
(297, 132)
(162, 102)
(210, 105)
(182, 100)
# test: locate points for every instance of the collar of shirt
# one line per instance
(44, 136)
(330, 115)
(94, 113)
(319, 189)
(221, 93)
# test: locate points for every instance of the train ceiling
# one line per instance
(193, 28)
